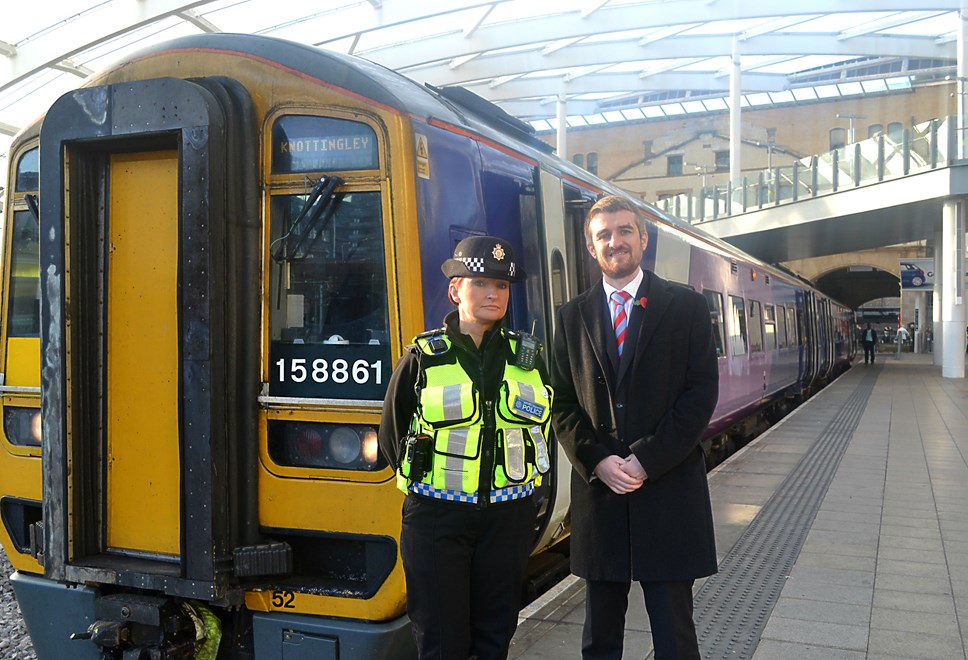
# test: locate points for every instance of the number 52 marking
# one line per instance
(284, 599)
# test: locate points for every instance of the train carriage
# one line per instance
(230, 239)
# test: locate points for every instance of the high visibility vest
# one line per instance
(469, 429)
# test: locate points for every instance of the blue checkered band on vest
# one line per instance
(499, 495)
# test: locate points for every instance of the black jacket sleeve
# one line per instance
(399, 407)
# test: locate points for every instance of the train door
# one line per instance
(20, 505)
(145, 473)
(578, 201)
(561, 267)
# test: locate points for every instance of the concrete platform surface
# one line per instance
(879, 568)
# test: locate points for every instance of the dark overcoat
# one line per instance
(655, 402)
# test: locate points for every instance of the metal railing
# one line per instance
(885, 156)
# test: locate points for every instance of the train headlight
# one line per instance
(345, 445)
(22, 426)
(334, 446)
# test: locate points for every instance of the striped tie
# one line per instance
(619, 298)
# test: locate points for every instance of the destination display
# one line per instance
(302, 143)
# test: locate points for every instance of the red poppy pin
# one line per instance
(641, 302)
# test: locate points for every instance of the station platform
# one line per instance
(842, 533)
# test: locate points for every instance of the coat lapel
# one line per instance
(600, 334)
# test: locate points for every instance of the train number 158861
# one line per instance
(320, 370)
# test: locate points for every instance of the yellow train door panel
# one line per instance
(143, 484)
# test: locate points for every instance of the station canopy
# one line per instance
(609, 60)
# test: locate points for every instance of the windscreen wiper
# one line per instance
(308, 225)
(32, 205)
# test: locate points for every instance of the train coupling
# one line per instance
(145, 627)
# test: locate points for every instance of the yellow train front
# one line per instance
(231, 239)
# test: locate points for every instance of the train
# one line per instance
(214, 253)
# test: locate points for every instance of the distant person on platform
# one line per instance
(869, 339)
(901, 337)
(636, 366)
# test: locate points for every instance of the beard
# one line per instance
(619, 269)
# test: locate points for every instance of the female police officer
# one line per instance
(465, 419)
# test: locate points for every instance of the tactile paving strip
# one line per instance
(733, 606)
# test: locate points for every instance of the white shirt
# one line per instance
(631, 288)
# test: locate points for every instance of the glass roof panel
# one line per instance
(407, 33)
(111, 51)
(827, 91)
(640, 65)
(733, 26)
(761, 98)
(850, 88)
(339, 23)
(710, 64)
(673, 109)
(505, 12)
(900, 82)
(928, 27)
(799, 64)
(874, 86)
(836, 23)
(21, 20)
(621, 35)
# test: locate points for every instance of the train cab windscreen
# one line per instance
(328, 315)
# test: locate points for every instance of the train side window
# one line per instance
(792, 334)
(558, 282)
(737, 326)
(769, 327)
(28, 172)
(24, 311)
(781, 327)
(756, 327)
(714, 299)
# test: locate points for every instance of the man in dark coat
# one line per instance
(630, 418)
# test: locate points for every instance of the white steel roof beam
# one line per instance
(69, 66)
(672, 12)
(522, 33)
(629, 82)
(593, 7)
(200, 22)
(773, 25)
(471, 29)
(886, 23)
(86, 31)
(606, 54)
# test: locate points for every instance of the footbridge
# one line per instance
(884, 191)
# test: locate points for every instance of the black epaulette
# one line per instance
(432, 342)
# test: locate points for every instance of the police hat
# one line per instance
(484, 256)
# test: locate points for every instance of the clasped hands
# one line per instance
(622, 475)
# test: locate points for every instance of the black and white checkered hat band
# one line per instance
(473, 264)
(476, 265)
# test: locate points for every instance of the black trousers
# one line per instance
(464, 566)
(869, 351)
(669, 605)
